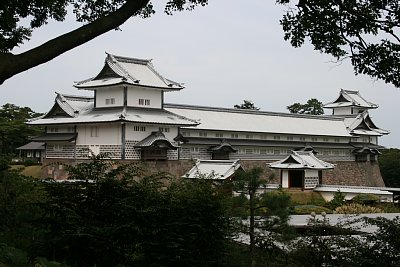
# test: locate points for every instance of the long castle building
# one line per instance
(127, 118)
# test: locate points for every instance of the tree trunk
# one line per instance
(251, 228)
(11, 64)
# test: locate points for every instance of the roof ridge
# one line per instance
(255, 112)
(76, 96)
(131, 59)
(115, 62)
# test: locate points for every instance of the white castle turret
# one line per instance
(349, 103)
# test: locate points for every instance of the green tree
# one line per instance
(366, 31)
(247, 104)
(379, 248)
(18, 19)
(389, 163)
(275, 205)
(313, 107)
(13, 129)
(338, 200)
(21, 205)
(132, 220)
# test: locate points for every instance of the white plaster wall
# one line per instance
(136, 93)
(328, 196)
(374, 140)
(108, 134)
(285, 179)
(343, 111)
(114, 92)
(130, 134)
(61, 128)
(310, 173)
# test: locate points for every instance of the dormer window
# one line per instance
(144, 102)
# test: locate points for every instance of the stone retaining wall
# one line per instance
(345, 172)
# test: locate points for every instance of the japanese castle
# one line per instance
(127, 118)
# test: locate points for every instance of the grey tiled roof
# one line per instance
(301, 160)
(138, 72)
(32, 146)
(223, 146)
(155, 139)
(81, 111)
(213, 169)
(224, 119)
(363, 125)
(55, 137)
(349, 98)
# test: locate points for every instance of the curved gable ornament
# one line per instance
(155, 140)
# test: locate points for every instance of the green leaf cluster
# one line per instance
(13, 129)
(389, 164)
(112, 220)
(247, 104)
(366, 31)
(312, 107)
(19, 18)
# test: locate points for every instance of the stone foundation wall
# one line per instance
(354, 173)
(345, 173)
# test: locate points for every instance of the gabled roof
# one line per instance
(76, 110)
(349, 98)
(67, 137)
(155, 140)
(240, 120)
(301, 160)
(367, 150)
(125, 70)
(363, 125)
(69, 105)
(308, 148)
(223, 146)
(213, 169)
(32, 146)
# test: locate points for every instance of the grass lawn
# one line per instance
(299, 197)
(34, 171)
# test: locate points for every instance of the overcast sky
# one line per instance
(224, 53)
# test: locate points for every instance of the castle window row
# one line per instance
(144, 102)
(265, 136)
(138, 128)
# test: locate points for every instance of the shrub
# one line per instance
(388, 207)
(366, 199)
(355, 208)
(307, 209)
(30, 162)
(337, 201)
(5, 161)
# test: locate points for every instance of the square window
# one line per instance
(144, 102)
(110, 101)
